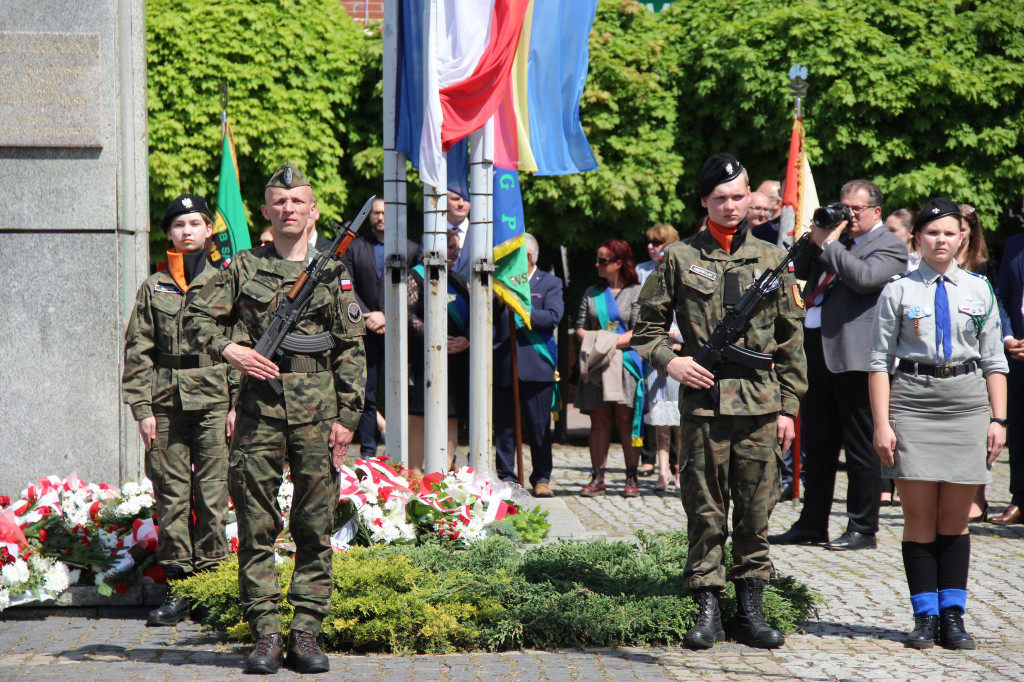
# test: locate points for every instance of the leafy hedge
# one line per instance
(492, 596)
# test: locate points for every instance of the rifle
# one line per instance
(720, 346)
(278, 337)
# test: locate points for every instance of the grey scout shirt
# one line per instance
(905, 321)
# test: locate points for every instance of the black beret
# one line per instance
(287, 177)
(939, 207)
(186, 203)
(719, 169)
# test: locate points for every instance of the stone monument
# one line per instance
(74, 234)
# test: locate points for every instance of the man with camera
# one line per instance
(852, 257)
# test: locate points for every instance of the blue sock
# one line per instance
(952, 597)
(925, 603)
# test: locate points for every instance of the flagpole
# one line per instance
(481, 223)
(798, 86)
(435, 292)
(396, 310)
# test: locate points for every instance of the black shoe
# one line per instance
(200, 612)
(787, 493)
(951, 629)
(851, 540)
(980, 518)
(265, 658)
(750, 627)
(797, 536)
(924, 634)
(708, 628)
(304, 656)
(171, 612)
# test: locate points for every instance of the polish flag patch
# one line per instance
(346, 285)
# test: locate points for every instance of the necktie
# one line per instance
(944, 340)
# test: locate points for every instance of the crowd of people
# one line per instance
(946, 347)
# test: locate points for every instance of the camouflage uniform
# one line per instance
(189, 394)
(730, 448)
(293, 429)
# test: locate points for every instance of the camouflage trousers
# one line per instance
(188, 466)
(729, 459)
(261, 448)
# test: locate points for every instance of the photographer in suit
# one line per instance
(855, 257)
(365, 263)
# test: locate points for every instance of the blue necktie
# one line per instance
(943, 333)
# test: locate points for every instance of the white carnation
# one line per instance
(57, 578)
(5, 598)
(15, 573)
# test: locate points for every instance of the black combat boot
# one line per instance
(304, 656)
(265, 658)
(750, 626)
(708, 628)
(925, 632)
(951, 629)
(174, 609)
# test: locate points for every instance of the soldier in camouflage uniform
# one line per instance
(180, 397)
(733, 437)
(308, 429)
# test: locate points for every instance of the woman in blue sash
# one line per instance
(611, 386)
(458, 356)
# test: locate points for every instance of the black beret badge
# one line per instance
(354, 313)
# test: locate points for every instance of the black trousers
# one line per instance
(836, 413)
(366, 431)
(1015, 428)
(535, 401)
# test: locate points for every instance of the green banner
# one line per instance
(230, 229)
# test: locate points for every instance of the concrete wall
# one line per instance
(73, 237)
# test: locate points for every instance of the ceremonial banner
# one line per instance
(511, 281)
(230, 229)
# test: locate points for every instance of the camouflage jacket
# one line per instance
(246, 294)
(155, 330)
(690, 281)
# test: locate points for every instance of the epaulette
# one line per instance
(976, 274)
(900, 276)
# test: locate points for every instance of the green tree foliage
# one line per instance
(304, 86)
(924, 97)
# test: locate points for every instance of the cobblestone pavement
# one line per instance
(858, 635)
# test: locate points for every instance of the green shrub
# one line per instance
(429, 598)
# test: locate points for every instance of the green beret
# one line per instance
(287, 177)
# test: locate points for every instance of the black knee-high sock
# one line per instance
(922, 577)
(953, 556)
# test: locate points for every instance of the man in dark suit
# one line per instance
(1010, 295)
(537, 358)
(845, 274)
(364, 261)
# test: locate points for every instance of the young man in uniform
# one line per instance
(308, 428)
(735, 435)
(180, 398)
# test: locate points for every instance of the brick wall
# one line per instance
(364, 10)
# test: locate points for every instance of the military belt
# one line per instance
(939, 371)
(184, 361)
(730, 371)
(293, 365)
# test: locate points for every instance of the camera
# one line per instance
(831, 215)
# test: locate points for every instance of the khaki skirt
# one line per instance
(941, 427)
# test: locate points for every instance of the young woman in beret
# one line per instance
(937, 381)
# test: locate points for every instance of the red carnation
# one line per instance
(513, 510)
(42, 535)
(5, 500)
(122, 588)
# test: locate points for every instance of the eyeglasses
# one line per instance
(655, 242)
(758, 209)
(604, 261)
(858, 209)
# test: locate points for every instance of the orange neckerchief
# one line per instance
(722, 235)
(176, 268)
